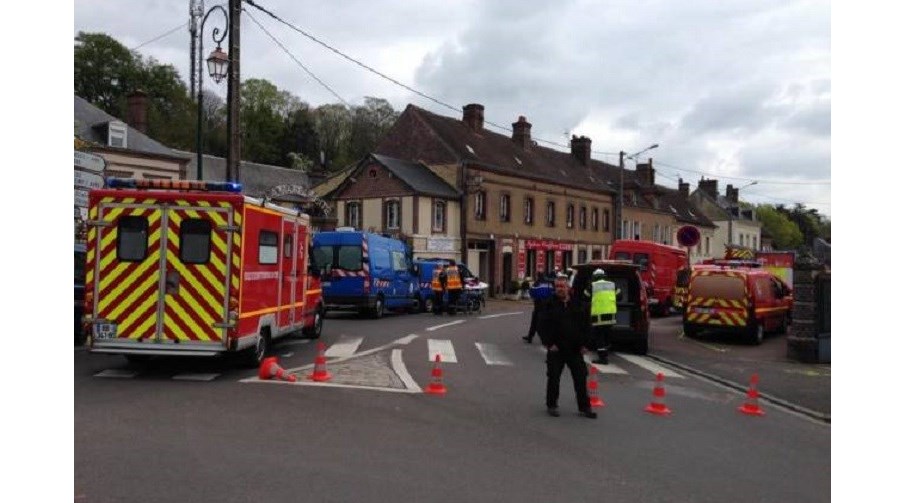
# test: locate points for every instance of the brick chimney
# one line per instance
(732, 194)
(473, 116)
(683, 189)
(137, 115)
(521, 132)
(646, 172)
(581, 149)
(708, 187)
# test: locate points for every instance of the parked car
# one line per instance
(80, 332)
(425, 273)
(632, 315)
(742, 301)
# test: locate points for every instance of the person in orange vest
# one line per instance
(438, 287)
(453, 286)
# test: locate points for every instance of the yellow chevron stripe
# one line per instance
(215, 215)
(144, 324)
(108, 277)
(205, 272)
(709, 302)
(218, 220)
(217, 241)
(143, 289)
(204, 288)
(110, 237)
(104, 303)
(176, 309)
(740, 318)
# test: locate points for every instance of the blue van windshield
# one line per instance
(347, 257)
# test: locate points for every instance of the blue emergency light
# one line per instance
(132, 183)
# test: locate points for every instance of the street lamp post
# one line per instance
(730, 208)
(217, 64)
(622, 158)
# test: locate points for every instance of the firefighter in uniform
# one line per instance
(438, 286)
(603, 313)
(453, 286)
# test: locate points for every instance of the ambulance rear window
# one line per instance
(718, 287)
(132, 239)
(195, 241)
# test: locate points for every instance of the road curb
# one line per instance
(820, 416)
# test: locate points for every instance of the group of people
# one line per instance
(569, 324)
(446, 280)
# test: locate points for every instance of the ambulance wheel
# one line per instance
(255, 355)
(690, 331)
(756, 334)
(314, 331)
(377, 311)
(784, 327)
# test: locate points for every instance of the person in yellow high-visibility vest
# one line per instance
(453, 287)
(603, 313)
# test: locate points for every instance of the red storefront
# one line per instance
(543, 251)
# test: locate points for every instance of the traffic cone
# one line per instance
(320, 365)
(270, 368)
(657, 406)
(751, 406)
(596, 401)
(436, 386)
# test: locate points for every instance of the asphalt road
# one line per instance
(179, 430)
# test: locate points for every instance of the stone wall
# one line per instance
(808, 339)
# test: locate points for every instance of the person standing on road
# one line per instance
(453, 287)
(541, 291)
(603, 314)
(563, 330)
(438, 286)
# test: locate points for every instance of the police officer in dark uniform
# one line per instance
(564, 328)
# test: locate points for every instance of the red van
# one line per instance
(659, 265)
(745, 301)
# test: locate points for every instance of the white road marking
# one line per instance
(287, 355)
(404, 340)
(604, 369)
(435, 327)
(492, 354)
(444, 348)
(305, 382)
(120, 374)
(407, 339)
(402, 372)
(651, 365)
(195, 377)
(345, 347)
(498, 315)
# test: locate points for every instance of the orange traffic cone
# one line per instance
(596, 401)
(657, 406)
(436, 386)
(751, 407)
(320, 365)
(270, 368)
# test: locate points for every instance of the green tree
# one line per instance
(264, 109)
(104, 71)
(333, 126)
(369, 123)
(786, 235)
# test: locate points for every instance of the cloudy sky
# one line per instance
(737, 90)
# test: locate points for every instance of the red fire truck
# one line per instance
(659, 265)
(195, 268)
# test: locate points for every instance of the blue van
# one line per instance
(364, 271)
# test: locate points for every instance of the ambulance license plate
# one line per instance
(704, 310)
(105, 331)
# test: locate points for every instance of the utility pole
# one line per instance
(619, 199)
(233, 135)
(196, 8)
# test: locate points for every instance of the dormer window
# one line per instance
(116, 134)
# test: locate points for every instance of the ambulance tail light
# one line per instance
(233, 309)
(132, 183)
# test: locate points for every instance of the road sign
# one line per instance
(90, 162)
(688, 235)
(88, 180)
(81, 198)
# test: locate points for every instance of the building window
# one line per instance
(625, 230)
(583, 217)
(755, 243)
(707, 245)
(595, 219)
(551, 213)
(657, 234)
(504, 207)
(606, 220)
(636, 230)
(353, 215)
(480, 203)
(529, 210)
(391, 215)
(582, 255)
(439, 220)
(570, 216)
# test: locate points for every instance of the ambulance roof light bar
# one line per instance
(132, 183)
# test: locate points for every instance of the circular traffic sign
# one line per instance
(688, 235)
